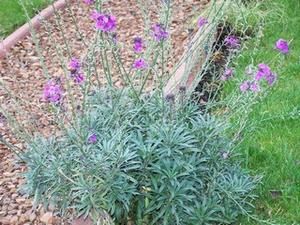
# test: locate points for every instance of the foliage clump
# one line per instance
(151, 161)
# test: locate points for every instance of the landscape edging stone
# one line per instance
(24, 31)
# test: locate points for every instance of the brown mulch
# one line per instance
(22, 74)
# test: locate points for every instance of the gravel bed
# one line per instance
(22, 73)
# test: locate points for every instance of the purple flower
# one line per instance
(227, 74)
(89, 2)
(271, 78)
(232, 41)
(104, 22)
(245, 86)
(74, 64)
(159, 32)
(282, 46)
(223, 77)
(52, 92)
(92, 139)
(76, 74)
(140, 64)
(78, 77)
(202, 21)
(254, 86)
(138, 44)
(263, 71)
(94, 15)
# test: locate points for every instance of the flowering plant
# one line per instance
(148, 161)
(144, 157)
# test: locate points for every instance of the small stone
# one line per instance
(23, 218)
(32, 217)
(14, 219)
(2, 214)
(11, 187)
(12, 212)
(20, 200)
(47, 218)
(8, 174)
(19, 212)
(5, 220)
(14, 196)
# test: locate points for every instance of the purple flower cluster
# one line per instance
(75, 68)
(159, 32)
(232, 41)
(140, 64)
(227, 74)
(245, 86)
(92, 139)
(202, 21)
(250, 85)
(78, 78)
(104, 22)
(52, 92)
(263, 72)
(282, 46)
(74, 64)
(89, 2)
(138, 45)
(254, 86)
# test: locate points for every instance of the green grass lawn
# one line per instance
(12, 15)
(273, 149)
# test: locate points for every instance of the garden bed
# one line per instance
(22, 73)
